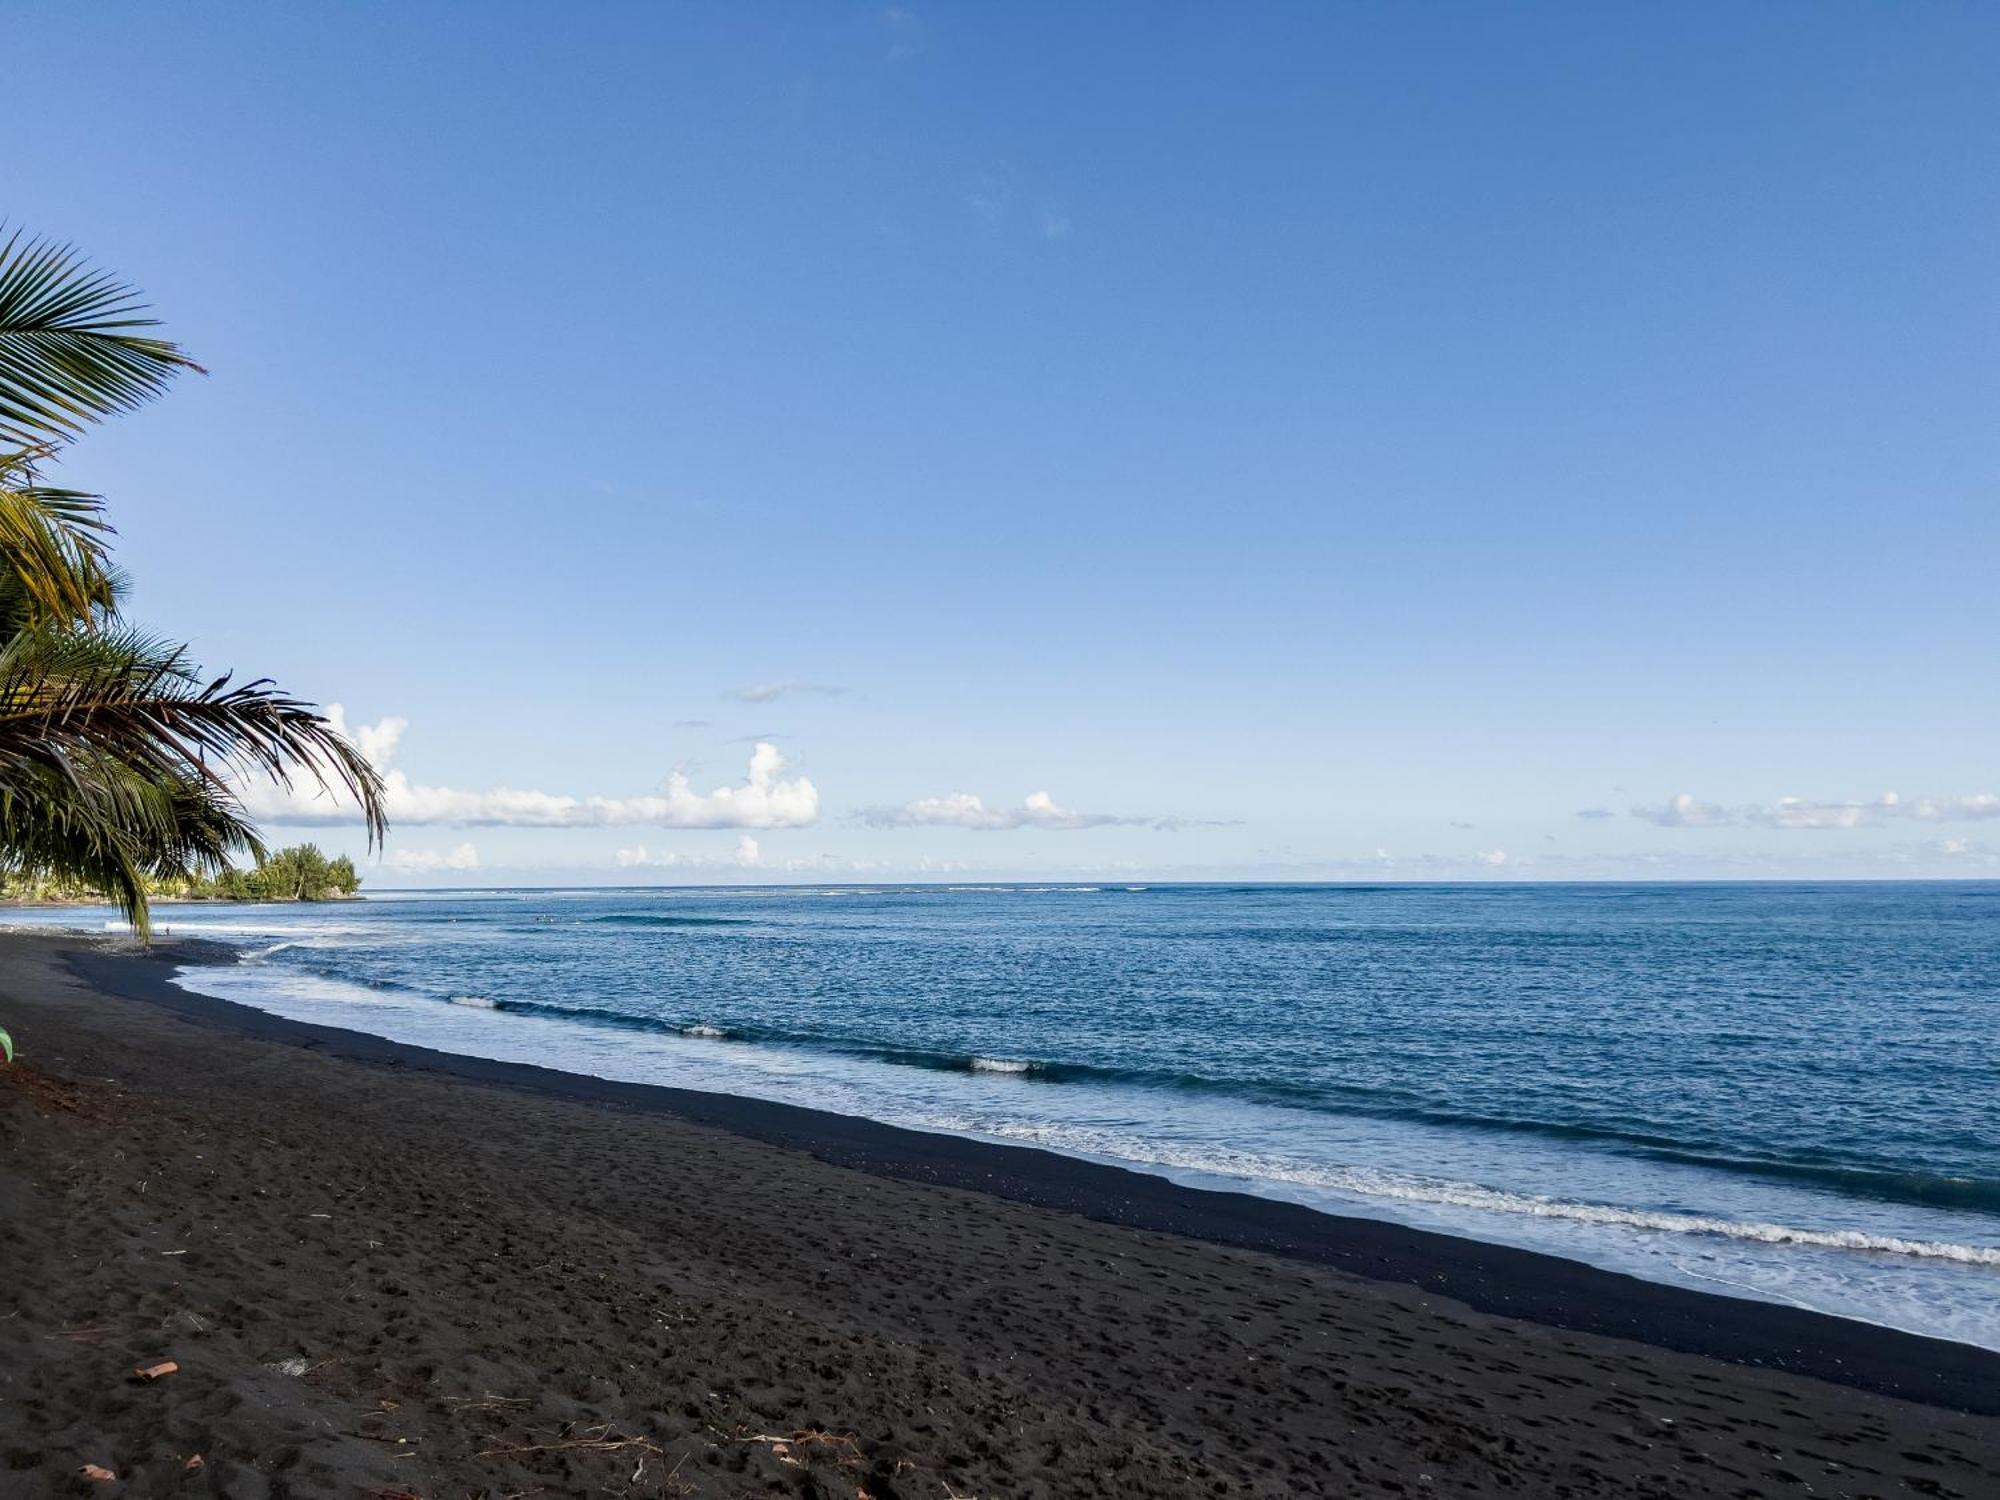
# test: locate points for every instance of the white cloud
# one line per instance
(1686, 811)
(429, 861)
(770, 692)
(377, 742)
(904, 32)
(1796, 812)
(1801, 812)
(1493, 857)
(749, 855)
(964, 810)
(990, 200)
(1956, 809)
(766, 798)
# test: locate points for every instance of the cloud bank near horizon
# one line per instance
(766, 798)
(1689, 811)
(1038, 810)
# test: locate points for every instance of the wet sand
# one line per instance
(387, 1271)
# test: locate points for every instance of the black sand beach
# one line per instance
(384, 1271)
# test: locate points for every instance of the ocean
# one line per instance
(1784, 1092)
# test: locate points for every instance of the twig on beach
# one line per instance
(603, 1442)
(849, 1454)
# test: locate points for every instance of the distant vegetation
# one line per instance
(300, 873)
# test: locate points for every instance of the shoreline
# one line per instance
(380, 1271)
(1549, 1290)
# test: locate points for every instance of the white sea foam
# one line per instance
(999, 1065)
(1369, 1183)
(704, 1031)
(475, 1002)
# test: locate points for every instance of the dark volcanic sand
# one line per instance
(504, 1282)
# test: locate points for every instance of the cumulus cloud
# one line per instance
(766, 798)
(430, 861)
(770, 692)
(964, 810)
(1686, 811)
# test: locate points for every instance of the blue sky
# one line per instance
(1329, 441)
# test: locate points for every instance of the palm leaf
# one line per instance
(68, 696)
(55, 564)
(71, 349)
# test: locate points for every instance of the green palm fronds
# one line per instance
(71, 350)
(114, 749)
(54, 559)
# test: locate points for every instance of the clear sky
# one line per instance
(1330, 441)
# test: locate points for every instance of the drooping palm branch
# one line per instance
(118, 760)
(71, 346)
(106, 828)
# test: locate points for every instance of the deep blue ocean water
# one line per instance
(1789, 1092)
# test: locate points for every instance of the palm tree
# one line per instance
(119, 759)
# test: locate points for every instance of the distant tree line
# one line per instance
(300, 873)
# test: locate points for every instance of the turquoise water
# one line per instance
(1778, 1091)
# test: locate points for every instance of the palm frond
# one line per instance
(75, 828)
(55, 563)
(140, 702)
(71, 349)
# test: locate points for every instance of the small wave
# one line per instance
(1021, 890)
(475, 1002)
(1368, 1183)
(705, 1031)
(661, 919)
(1000, 1065)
